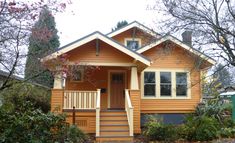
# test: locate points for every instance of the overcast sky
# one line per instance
(101, 15)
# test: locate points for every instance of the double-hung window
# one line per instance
(181, 84)
(149, 84)
(165, 83)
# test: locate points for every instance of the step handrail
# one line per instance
(98, 113)
(129, 111)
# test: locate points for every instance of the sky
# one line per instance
(83, 17)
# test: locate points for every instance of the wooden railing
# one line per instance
(80, 99)
(98, 113)
(129, 111)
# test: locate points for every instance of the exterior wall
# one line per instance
(106, 54)
(175, 58)
(135, 101)
(145, 37)
(57, 100)
(85, 120)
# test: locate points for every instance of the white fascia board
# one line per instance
(178, 43)
(134, 24)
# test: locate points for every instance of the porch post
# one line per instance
(58, 81)
(134, 79)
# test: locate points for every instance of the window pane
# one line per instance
(181, 90)
(165, 90)
(181, 84)
(181, 78)
(132, 44)
(149, 77)
(165, 77)
(149, 90)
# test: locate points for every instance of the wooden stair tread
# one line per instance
(113, 124)
(116, 136)
(108, 120)
(114, 130)
(107, 115)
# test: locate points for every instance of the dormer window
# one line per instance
(133, 43)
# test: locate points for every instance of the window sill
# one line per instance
(171, 98)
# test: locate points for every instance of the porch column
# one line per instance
(134, 79)
(58, 81)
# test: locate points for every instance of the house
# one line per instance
(139, 72)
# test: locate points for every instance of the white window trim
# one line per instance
(173, 83)
(132, 39)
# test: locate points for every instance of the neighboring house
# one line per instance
(140, 72)
(4, 75)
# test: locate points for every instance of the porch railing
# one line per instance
(80, 99)
(129, 111)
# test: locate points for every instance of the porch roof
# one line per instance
(102, 37)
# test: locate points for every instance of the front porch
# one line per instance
(108, 107)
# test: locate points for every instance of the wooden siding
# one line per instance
(131, 33)
(135, 101)
(106, 54)
(173, 58)
(57, 100)
(85, 120)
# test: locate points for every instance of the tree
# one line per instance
(16, 20)
(39, 46)
(222, 75)
(212, 23)
(120, 24)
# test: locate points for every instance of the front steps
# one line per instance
(114, 127)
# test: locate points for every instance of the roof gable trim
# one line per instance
(183, 45)
(97, 35)
(131, 25)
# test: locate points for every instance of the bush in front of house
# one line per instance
(207, 123)
(32, 125)
(201, 128)
(37, 95)
(156, 130)
(21, 120)
(75, 135)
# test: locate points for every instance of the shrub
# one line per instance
(75, 135)
(22, 121)
(38, 96)
(155, 130)
(201, 128)
(227, 132)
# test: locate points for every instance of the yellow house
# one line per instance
(139, 72)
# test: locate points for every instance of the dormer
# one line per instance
(134, 35)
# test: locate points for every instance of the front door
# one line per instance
(117, 87)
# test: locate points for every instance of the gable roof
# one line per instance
(131, 25)
(178, 42)
(104, 38)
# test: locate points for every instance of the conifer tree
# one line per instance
(43, 40)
